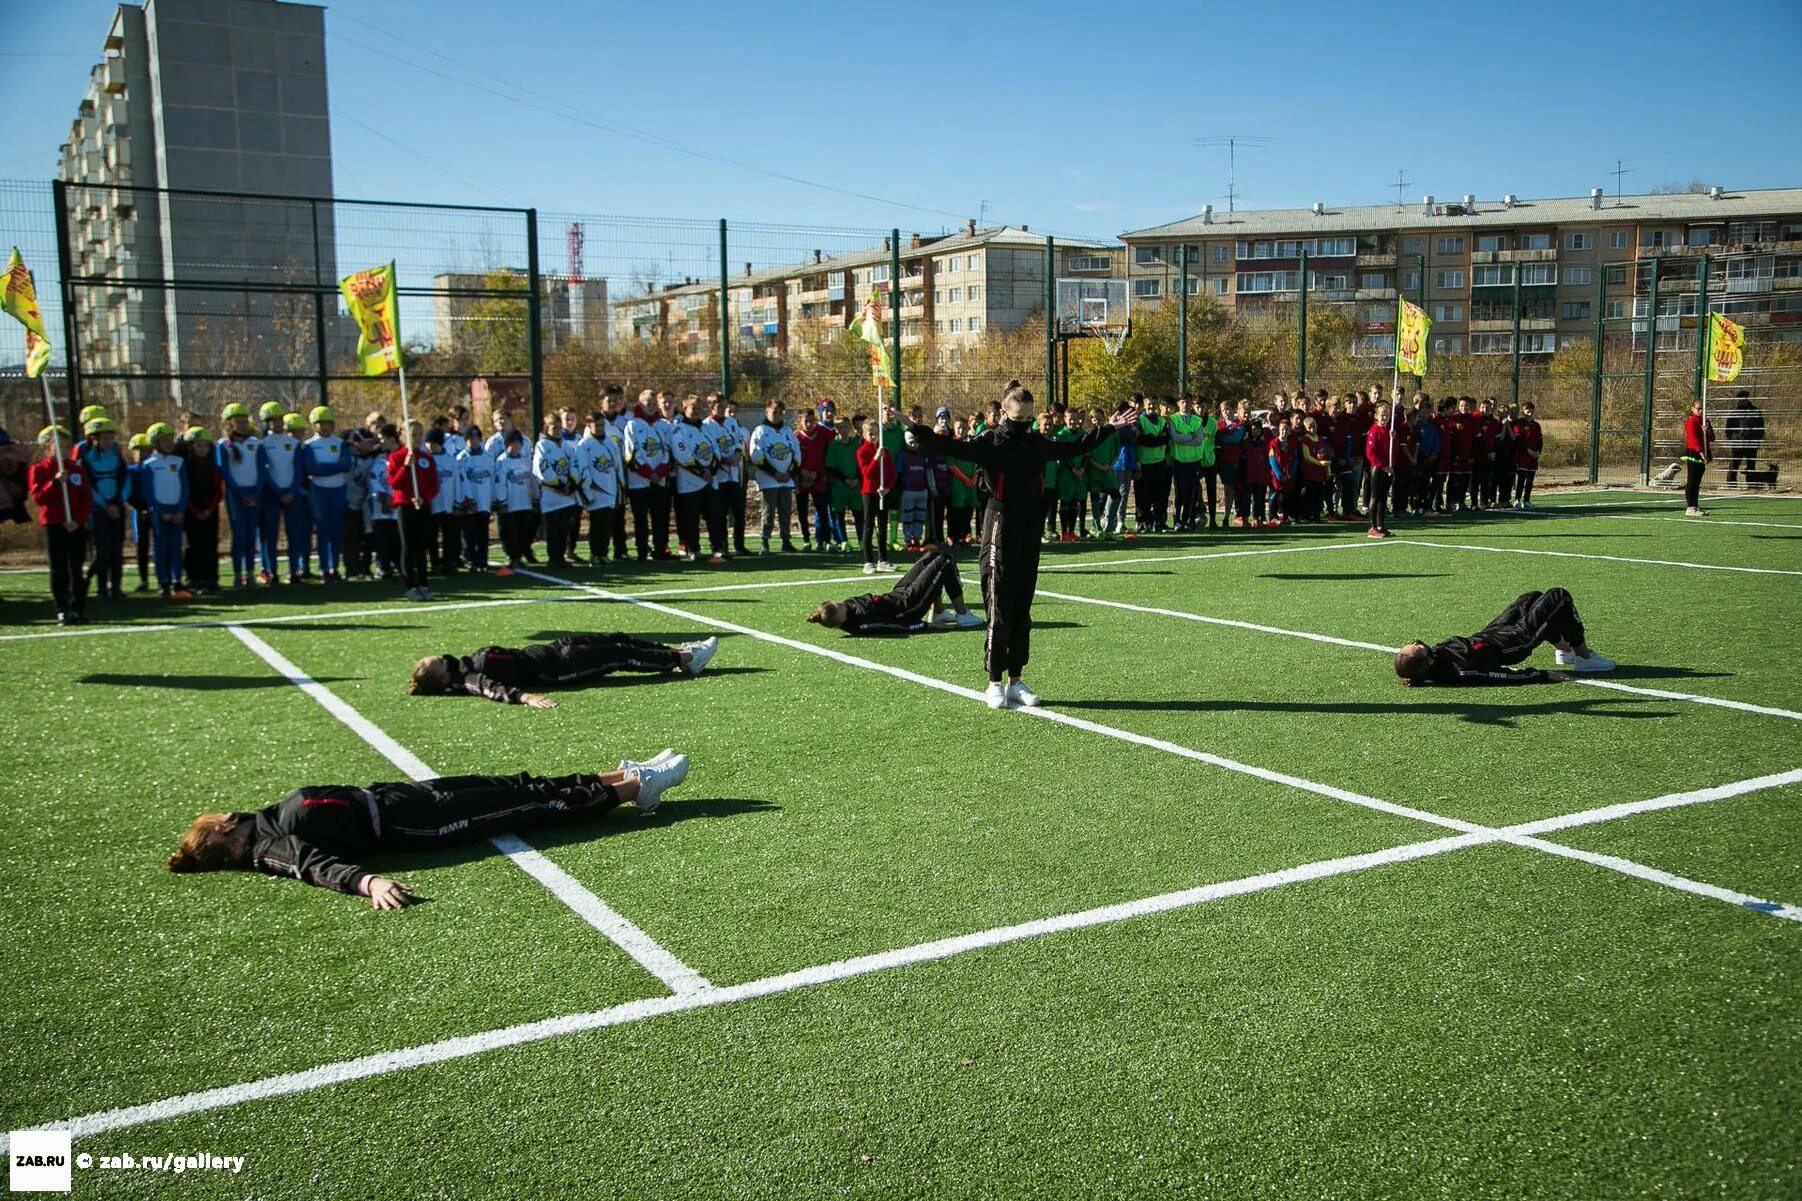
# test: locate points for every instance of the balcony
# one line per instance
(814, 296)
(1749, 285)
(1376, 258)
(1786, 283)
(1374, 293)
(112, 75)
(1525, 256)
(1493, 325)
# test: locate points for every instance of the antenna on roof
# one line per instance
(982, 215)
(1402, 184)
(1232, 142)
(1617, 173)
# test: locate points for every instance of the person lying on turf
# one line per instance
(906, 609)
(304, 835)
(502, 673)
(1533, 619)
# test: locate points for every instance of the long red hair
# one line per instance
(208, 845)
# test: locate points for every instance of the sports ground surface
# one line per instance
(1234, 915)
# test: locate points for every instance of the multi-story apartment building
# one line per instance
(569, 310)
(1461, 260)
(953, 289)
(213, 98)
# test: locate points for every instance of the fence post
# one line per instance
(1182, 325)
(534, 311)
(1301, 326)
(1514, 340)
(1050, 319)
(321, 366)
(1645, 430)
(894, 288)
(726, 324)
(1701, 324)
(65, 268)
(1595, 383)
(1420, 283)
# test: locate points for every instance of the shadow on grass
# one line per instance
(1474, 713)
(1356, 575)
(197, 683)
(1106, 571)
(1649, 671)
(333, 626)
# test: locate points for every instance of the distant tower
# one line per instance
(578, 315)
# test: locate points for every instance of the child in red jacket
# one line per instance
(1316, 465)
(1529, 441)
(1257, 471)
(65, 501)
(413, 482)
(1377, 453)
(876, 464)
(1283, 486)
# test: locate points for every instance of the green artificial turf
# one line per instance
(1489, 1022)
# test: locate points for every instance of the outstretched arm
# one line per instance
(1510, 675)
(977, 450)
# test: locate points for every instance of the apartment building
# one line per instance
(570, 310)
(1461, 260)
(953, 289)
(216, 98)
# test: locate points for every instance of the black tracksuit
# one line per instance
(1011, 459)
(310, 833)
(505, 673)
(901, 611)
(1483, 658)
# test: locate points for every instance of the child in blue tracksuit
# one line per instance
(99, 452)
(241, 467)
(916, 481)
(143, 536)
(284, 494)
(163, 484)
(325, 466)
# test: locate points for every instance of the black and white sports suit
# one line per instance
(504, 674)
(1533, 619)
(903, 609)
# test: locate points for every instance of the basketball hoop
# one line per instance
(1112, 337)
(1094, 308)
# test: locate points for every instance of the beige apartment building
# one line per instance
(570, 310)
(1461, 260)
(953, 289)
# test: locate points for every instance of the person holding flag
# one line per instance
(868, 326)
(19, 297)
(1724, 355)
(65, 502)
(374, 305)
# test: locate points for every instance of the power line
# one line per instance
(561, 108)
(340, 115)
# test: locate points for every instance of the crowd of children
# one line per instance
(377, 502)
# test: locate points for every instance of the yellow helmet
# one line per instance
(99, 425)
(294, 423)
(199, 433)
(90, 413)
(51, 432)
(233, 410)
(139, 442)
(271, 411)
(161, 429)
(322, 413)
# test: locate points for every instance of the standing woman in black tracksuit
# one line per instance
(1011, 459)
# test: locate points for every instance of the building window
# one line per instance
(1491, 343)
(1449, 244)
(956, 325)
(1448, 346)
(973, 261)
(955, 296)
(1146, 288)
(1657, 238)
(938, 296)
(1538, 343)
(973, 324)
(1332, 283)
(1218, 252)
(1579, 241)
(1444, 280)
(1374, 346)
(1192, 285)
(973, 292)
(1336, 247)
(1617, 239)
(1218, 284)
(1146, 255)
(879, 275)
(1373, 279)
(1579, 275)
(1489, 275)
(1269, 281)
(1617, 274)
(1533, 242)
(1412, 245)
(1088, 262)
(1490, 243)
(1411, 281)
(1193, 253)
(1448, 312)
(950, 265)
(1575, 310)
(1616, 309)
(938, 327)
(1538, 273)
(1707, 235)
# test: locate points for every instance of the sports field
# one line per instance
(1234, 915)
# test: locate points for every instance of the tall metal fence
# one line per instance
(170, 302)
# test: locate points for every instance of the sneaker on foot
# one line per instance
(657, 778)
(883, 565)
(699, 653)
(1019, 694)
(968, 621)
(869, 569)
(996, 695)
(1591, 662)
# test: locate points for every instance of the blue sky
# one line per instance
(1075, 118)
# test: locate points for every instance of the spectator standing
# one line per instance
(1743, 434)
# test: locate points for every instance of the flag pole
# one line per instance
(56, 445)
(400, 368)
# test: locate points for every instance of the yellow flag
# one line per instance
(868, 326)
(1726, 349)
(1411, 326)
(19, 296)
(370, 297)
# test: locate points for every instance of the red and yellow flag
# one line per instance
(19, 296)
(1726, 349)
(1411, 326)
(370, 297)
(868, 326)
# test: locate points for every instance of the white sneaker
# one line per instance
(944, 619)
(657, 778)
(657, 760)
(1594, 662)
(414, 594)
(996, 696)
(968, 621)
(869, 569)
(1019, 694)
(699, 653)
(882, 565)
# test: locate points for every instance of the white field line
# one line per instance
(1233, 765)
(676, 975)
(1212, 554)
(1568, 554)
(1768, 525)
(384, 1063)
(1587, 681)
